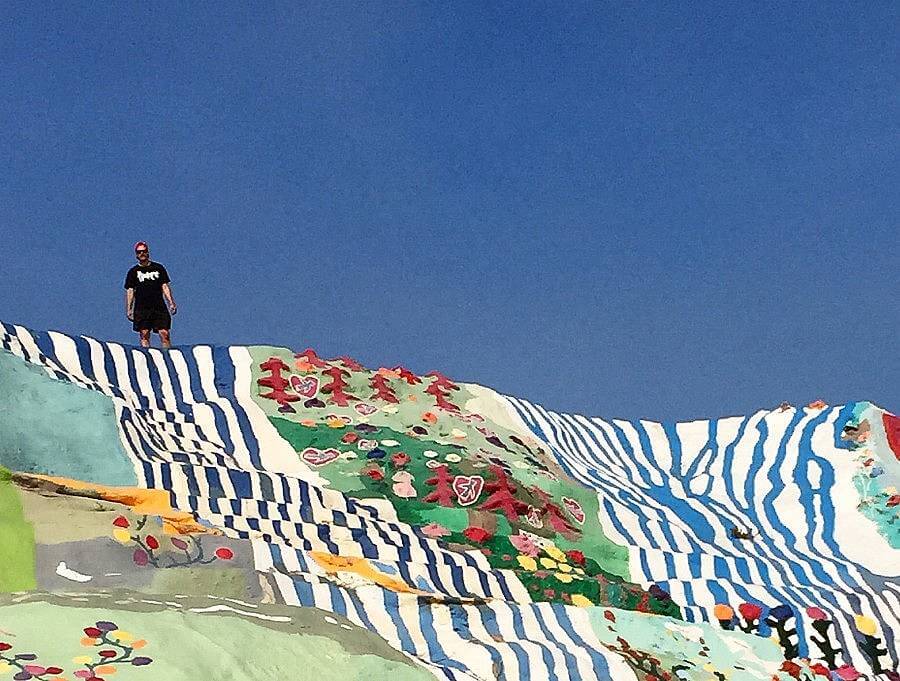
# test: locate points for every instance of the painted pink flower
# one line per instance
(435, 531)
(524, 544)
(847, 672)
(817, 613)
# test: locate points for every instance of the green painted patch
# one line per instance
(216, 644)
(17, 554)
(57, 428)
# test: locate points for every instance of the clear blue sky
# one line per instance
(664, 211)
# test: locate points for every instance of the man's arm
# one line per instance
(167, 294)
(129, 303)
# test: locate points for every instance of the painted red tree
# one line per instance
(277, 383)
(407, 375)
(443, 487)
(336, 388)
(440, 389)
(502, 495)
(553, 515)
(383, 391)
(350, 363)
(310, 356)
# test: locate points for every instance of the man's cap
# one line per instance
(141, 244)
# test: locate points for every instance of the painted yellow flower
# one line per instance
(527, 562)
(547, 563)
(5, 667)
(122, 535)
(82, 659)
(579, 571)
(563, 577)
(555, 553)
(335, 423)
(581, 600)
(564, 567)
(865, 625)
(121, 636)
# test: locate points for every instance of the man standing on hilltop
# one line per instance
(145, 286)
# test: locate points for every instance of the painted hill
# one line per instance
(260, 513)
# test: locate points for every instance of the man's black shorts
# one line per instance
(152, 319)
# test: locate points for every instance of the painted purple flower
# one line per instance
(141, 661)
(106, 626)
(781, 613)
(140, 558)
(179, 543)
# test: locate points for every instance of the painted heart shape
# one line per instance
(307, 386)
(533, 517)
(468, 488)
(318, 457)
(575, 509)
(365, 409)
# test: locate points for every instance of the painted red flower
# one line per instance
(107, 653)
(152, 542)
(576, 557)
(53, 670)
(224, 553)
(375, 474)
(608, 615)
(894, 500)
(350, 438)
(549, 593)
(791, 668)
(5, 646)
(477, 534)
(92, 632)
(750, 611)
(821, 670)
(400, 459)
(121, 521)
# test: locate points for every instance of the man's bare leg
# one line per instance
(145, 338)
(165, 338)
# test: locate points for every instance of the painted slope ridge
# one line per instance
(461, 528)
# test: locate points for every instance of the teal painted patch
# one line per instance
(56, 428)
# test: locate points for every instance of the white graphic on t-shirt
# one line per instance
(144, 276)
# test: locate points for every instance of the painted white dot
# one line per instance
(430, 453)
(453, 458)
(390, 443)
(330, 620)
(348, 628)
(520, 464)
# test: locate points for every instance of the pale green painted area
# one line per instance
(228, 583)
(57, 428)
(17, 555)
(740, 656)
(188, 646)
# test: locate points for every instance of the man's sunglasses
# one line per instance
(140, 252)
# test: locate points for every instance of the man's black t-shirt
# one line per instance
(147, 283)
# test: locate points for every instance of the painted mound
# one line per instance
(254, 513)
